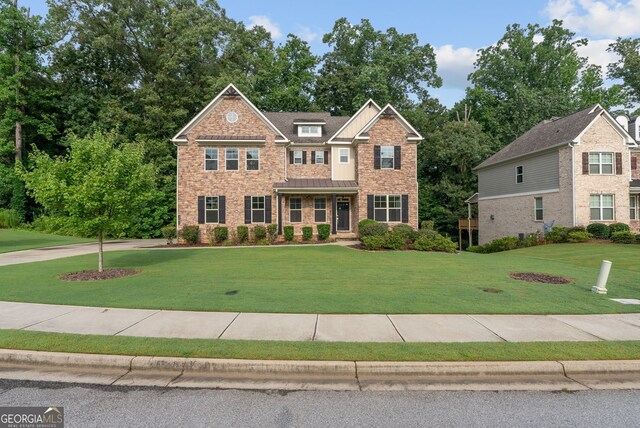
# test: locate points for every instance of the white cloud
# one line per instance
(454, 65)
(266, 23)
(596, 53)
(307, 34)
(604, 18)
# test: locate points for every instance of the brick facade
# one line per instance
(194, 181)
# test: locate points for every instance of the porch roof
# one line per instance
(316, 185)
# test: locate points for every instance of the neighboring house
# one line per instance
(633, 128)
(240, 166)
(569, 171)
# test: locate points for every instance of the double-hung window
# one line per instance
(319, 159)
(297, 157)
(253, 159)
(539, 209)
(387, 207)
(634, 207)
(519, 174)
(211, 209)
(320, 210)
(231, 158)
(295, 210)
(210, 159)
(601, 207)
(257, 209)
(344, 155)
(386, 157)
(600, 163)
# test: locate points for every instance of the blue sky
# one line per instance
(455, 30)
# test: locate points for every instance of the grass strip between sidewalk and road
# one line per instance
(327, 351)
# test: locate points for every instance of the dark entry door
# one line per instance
(343, 215)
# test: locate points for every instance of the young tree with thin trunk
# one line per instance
(100, 187)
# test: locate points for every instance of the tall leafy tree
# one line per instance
(364, 63)
(99, 188)
(532, 73)
(627, 67)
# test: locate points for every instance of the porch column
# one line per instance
(279, 213)
(334, 213)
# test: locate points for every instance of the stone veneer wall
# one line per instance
(194, 181)
(388, 131)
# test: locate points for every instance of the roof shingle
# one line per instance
(284, 122)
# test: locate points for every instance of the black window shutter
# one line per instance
(634, 162)
(290, 157)
(370, 207)
(397, 156)
(221, 209)
(326, 157)
(585, 163)
(267, 209)
(618, 163)
(313, 157)
(247, 209)
(376, 157)
(200, 209)
(405, 208)
(304, 157)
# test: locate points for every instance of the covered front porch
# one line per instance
(310, 202)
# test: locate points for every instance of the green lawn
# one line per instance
(331, 279)
(276, 350)
(15, 240)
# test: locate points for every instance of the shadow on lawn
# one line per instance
(141, 258)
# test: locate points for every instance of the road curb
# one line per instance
(317, 375)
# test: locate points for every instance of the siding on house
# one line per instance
(541, 173)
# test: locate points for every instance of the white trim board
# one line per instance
(511, 195)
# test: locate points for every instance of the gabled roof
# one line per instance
(369, 103)
(553, 133)
(229, 91)
(389, 111)
(285, 121)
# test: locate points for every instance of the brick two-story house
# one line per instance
(240, 166)
(569, 171)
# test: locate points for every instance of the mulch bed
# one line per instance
(539, 278)
(94, 275)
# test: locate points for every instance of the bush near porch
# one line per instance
(378, 236)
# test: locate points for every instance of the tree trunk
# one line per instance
(100, 251)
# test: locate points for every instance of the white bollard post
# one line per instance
(601, 285)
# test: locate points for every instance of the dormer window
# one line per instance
(309, 131)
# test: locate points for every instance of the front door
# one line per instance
(343, 209)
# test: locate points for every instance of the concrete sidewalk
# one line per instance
(318, 327)
(59, 252)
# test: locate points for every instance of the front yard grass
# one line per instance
(15, 240)
(332, 279)
(328, 351)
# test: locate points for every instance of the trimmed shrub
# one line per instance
(307, 233)
(324, 231)
(365, 222)
(272, 233)
(618, 227)
(444, 243)
(373, 242)
(191, 234)
(423, 243)
(407, 232)
(558, 234)
(394, 241)
(576, 229)
(259, 233)
(9, 218)
(502, 244)
(220, 233)
(373, 229)
(579, 236)
(476, 249)
(531, 240)
(599, 230)
(288, 233)
(169, 233)
(427, 225)
(242, 234)
(623, 237)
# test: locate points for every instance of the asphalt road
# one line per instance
(89, 406)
